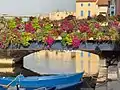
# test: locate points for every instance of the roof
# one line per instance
(86, 0)
(102, 2)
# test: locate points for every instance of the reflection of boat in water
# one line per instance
(42, 81)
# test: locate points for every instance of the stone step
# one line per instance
(112, 72)
(102, 74)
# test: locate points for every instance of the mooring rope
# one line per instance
(7, 86)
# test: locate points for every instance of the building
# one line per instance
(114, 7)
(60, 15)
(102, 7)
(85, 8)
(117, 7)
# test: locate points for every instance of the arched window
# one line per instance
(81, 4)
(88, 4)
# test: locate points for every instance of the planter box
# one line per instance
(85, 45)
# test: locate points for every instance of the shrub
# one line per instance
(101, 18)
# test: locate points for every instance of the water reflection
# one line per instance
(51, 62)
(55, 62)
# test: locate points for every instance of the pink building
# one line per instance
(118, 7)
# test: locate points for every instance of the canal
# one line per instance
(51, 62)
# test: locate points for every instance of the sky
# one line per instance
(32, 7)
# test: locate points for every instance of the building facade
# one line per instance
(102, 7)
(60, 15)
(117, 7)
(114, 7)
(85, 8)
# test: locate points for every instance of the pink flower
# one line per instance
(115, 24)
(1, 45)
(29, 28)
(75, 42)
(49, 40)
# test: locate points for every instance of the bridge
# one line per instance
(107, 49)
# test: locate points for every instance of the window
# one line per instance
(81, 4)
(112, 13)
(88, 4)
(82, 13)
(89, 13)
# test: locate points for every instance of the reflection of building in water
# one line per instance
(87, 62)
(7, 70)
(6, 61)
(50, 62)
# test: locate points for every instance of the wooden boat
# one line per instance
(69, 86)
(41, 81)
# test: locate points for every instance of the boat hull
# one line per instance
(42, 81)
(72, 86)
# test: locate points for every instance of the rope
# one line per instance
(95, 77)
(7, 86)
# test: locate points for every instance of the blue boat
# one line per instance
(70, 86)
(41, 81)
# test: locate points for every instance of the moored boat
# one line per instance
(41, 81)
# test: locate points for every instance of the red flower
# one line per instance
(97, 25)
(29, 28)
(75, 42)
(67, 26)
(84, 28)
(49, 40)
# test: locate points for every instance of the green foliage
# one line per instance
(113, 33)
(47, 27)
(118, 17)
(11, 24)
(35, 23)
(112, 18)
(26, 37)
(66, 39)
(40, 35)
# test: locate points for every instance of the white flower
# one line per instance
(78, 31)
(59, 24)
(59, 38)
(91, 38)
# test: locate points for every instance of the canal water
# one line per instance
(52, 62)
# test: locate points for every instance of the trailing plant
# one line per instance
(70, 31)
